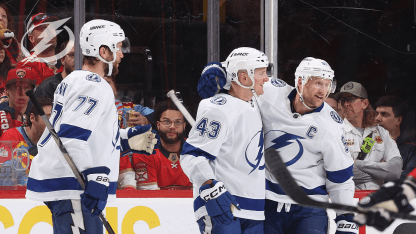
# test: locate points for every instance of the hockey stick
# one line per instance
(64, 152)
(182, 109)
(277, 168)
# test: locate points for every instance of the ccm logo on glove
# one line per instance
(212, 194)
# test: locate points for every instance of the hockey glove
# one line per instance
(212, 80)
(96, 189)
(392, 197)
(378, 218)
(218, 202)
(346, 224)
(139, 138)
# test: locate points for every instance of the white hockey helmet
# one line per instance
(97, 33)
(313, 67)
(245, 58)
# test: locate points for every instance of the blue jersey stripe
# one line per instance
(60, 184)
(320, 190)
(191, 150)
(71, 131)
(244, 202)
(340, 176)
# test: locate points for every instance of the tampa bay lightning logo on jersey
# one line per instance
(278, 82)
(336, 117)
(219, 100)
(254, 152)
(283, 141)
(93, 77)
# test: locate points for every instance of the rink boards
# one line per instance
(134, 212)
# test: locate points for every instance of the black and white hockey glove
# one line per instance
(346, 224)
(391, 197)
(212, 80)
(219, 202)
(96, 189)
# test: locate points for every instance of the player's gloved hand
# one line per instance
(212, 80)
(96, 189)
(139, 138)
(392, 196)
(378, 218)
(346, 224)
(219, 202)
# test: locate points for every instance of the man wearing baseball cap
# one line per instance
(377, 158)
(42, 60)
(19, 80)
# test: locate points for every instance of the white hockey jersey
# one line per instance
(226, 144)
(86, 120)
(311, 145)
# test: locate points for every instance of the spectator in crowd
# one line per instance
(42, 60)
(330, 100)
(391, 111)
(19, 80)
(7, 38)
(48, 86)
(375, 153)
(27, 137)
(162, 169)
(5, 67)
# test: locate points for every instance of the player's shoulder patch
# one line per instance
(220, 100)
(278, 82)
(336, 117)
(93, 77)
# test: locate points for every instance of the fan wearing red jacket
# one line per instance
(42, 60)
(162, 169)
(19, 80)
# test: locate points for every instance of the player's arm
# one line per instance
(392, 167)
(338, 164)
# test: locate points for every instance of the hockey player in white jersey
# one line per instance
(309, 136)
(223, 156)
(86, 120)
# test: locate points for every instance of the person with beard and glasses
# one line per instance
(162, 169)
(48, 86)
(42, 59)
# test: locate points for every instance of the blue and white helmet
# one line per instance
(245, 58)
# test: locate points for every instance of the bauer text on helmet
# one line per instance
(248, 59)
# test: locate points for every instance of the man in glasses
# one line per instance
(42, 60)
(309, 135)
(375, 153)
(161, 169)
(48, 86)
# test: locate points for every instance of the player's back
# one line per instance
(85, 118)
(228, 133)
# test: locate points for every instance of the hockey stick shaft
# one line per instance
(278, 169)
(62, 148)
(182, 109)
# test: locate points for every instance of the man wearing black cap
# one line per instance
(19, 80)
(42, 60)
(375, 153)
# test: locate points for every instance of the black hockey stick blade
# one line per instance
(277, 168)
(61, 146)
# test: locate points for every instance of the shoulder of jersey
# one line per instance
(221, 102)
(84, 76)
(275, 87)
(329, 118)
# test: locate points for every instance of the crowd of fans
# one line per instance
(374, 137)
